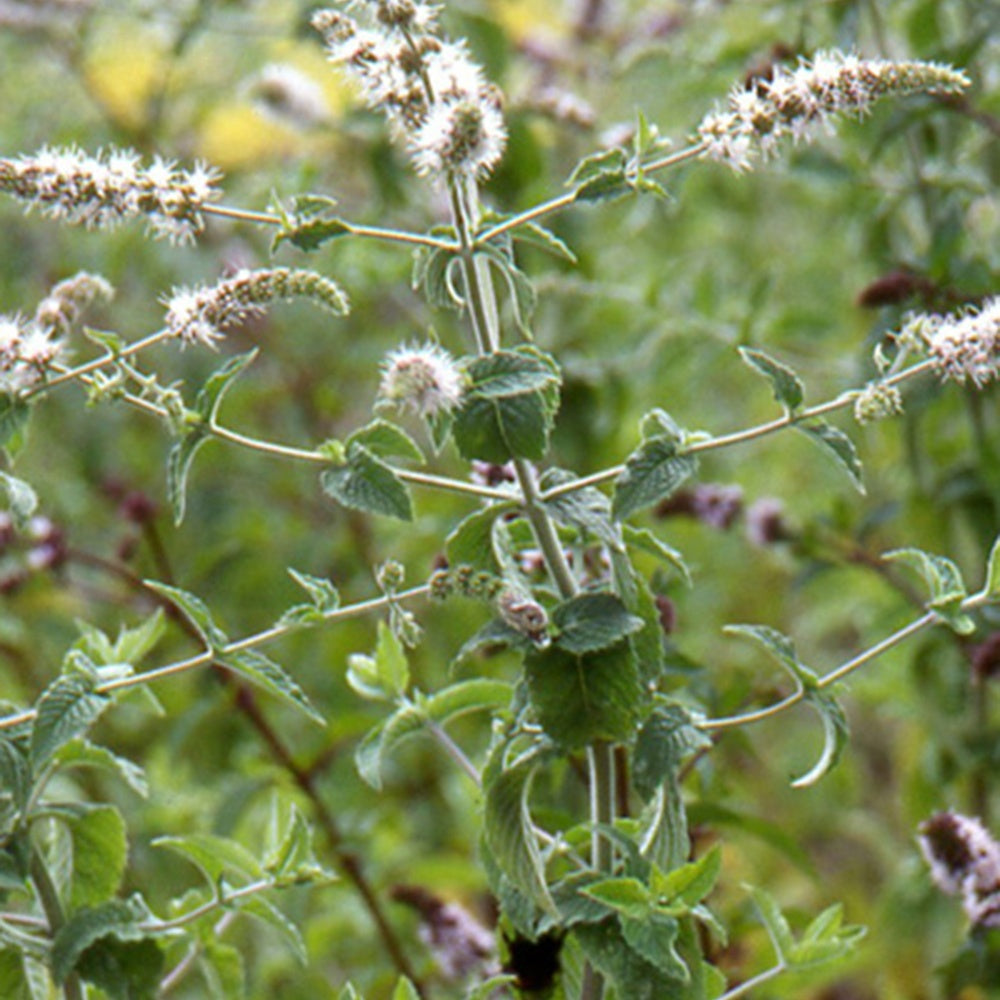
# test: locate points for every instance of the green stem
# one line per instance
(211, 655)
(751, 984)
(52, 907)
(740, 437)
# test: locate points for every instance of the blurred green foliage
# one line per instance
(664, 293)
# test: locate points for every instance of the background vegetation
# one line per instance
(812, 258)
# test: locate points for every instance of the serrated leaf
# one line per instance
(311, 234)
(119, 919)
(194, 609)
(81, 753)
(264, 910)
(123, 970)
(432, 277)
(471, 542)
(689, 884)
(538, 236)
(780, 647)
(523, 297)
(944, 580)
(510, 835)
(367, 484)
(258, 669)
(206, 404)
(221, 966)
(836, 443)
(371, 753)
(587, 509)
(835, 729)
(214, 856)
(362, 677)
(405, 990)
(774, 921)
(786, 385)
(321, 591)
(508, 409)
(179, 461)
(493, 633)
(835, 734)
(21, 499)
(100, 851)
(644, 540)
(631, 974)
(655, 469)
(589, 622)
(583, 698)
(385, 440)
(14, 413)
(393, 671)
(600, 176)
(15, 774)
(654, 938)
(69, 706)
(627, 896)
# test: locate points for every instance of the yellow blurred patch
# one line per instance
(236, 135)
(123, 71)
(523, 18)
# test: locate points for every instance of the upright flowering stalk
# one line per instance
(797, 102)
(102, 191)
(435, 96)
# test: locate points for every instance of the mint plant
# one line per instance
(606, 892)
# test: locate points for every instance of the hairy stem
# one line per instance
(52, 907)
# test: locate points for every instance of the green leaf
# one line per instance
(15, 774)
(826, 939)
(21, 499)
(432, 277)
(786, 385)
(390, 662)
(385, 440)
(644, 540)
(627, 896)
(221, 966)
(367, 484)
(179, 462)
(544, 239)
(323, 594)
(587, 509)
(689, 884)
(508, 409)
(214, 856)
(81, 753)
(600, 176)
(992, 585)
(258, 669)
(509, 832)
(206, 407)
(372, 752)
(119, 918)
(774, 921)
(123, 970)
(583, 698)
(100, 851)
(655, 469)
(666, 738)
(311, 234)
(835, 728)
(632, 975)
(264, 910)
(471, 542)
(194, 610)
(405, 990)
(590, 622)
(523, 297)
(14, 413)
(837, 444)
(944, 579)
(654, 938)
(206, 404)
(68, 707)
